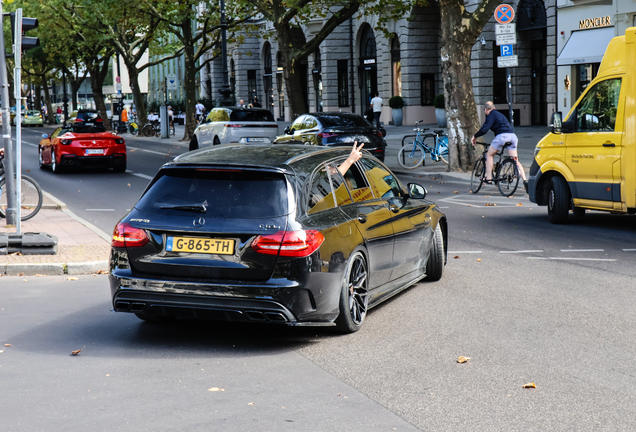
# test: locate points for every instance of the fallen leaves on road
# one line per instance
(519, 204)
(463, 359)
(16, 253)
(478, 259)
(39, 275)
(128, 184)
(251, 403)
(73, 278)
(486, 196)
(101, 272)
(529, 385)
(215, 389)
(491, 205)
(456, 256)
(469, 205)
(455, 192)
(76, 352)
(7, 345)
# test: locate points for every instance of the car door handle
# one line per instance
(394, 208)
(362, 217)
(609, 145)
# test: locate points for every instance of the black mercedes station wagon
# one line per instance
(276, 235)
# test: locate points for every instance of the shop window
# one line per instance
(396, 66)
(343, 83)
(427, 89)
(585, 73)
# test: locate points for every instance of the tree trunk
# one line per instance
(189, 82)
(133, 77)
(98, 70)
(50, 119)
(460, 30)
(38, 97)
(291, 68)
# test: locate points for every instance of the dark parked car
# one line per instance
(334, 130)
(273, 234)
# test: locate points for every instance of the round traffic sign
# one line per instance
(504, 14)
(117, 80)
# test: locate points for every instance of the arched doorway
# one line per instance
(267, 77)
(531, 25)
(396, 67)
(368, 69)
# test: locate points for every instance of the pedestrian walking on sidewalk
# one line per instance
(377, 104)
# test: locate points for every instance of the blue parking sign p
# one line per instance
(506, 50)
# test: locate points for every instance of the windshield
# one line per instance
(87, 115)
(252, 115)
(343, 120)
(220, 194)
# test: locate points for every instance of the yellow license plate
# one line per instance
(200, 245)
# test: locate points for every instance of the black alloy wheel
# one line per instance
(435, 263)
(476, 178)
(354, 298)
(558, 200)
(54, 166)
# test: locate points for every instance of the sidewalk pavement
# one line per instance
(84, 248)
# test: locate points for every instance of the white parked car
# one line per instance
(235, 125)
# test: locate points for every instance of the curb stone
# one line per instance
(31, 269)
(86, 267)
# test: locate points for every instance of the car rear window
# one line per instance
(217, 193)
(251, 115)
(339, 120)
(86, 115)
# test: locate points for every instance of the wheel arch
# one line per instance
(543, 186)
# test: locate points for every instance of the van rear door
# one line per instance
(593, 150)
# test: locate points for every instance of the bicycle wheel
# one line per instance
(148, 130)
(442, 149)
(507, 177)
(31, 198)
(478, 174)
(409, 158)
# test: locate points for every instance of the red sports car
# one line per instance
(82, 145)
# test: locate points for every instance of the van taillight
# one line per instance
(289, 243)
(125, 235)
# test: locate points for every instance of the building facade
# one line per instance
(356, 60)
(585, 28)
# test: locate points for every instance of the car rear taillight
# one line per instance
(289, 243)
(79, 120)
(378, 133)
(125, 235)
(326, 135)
(119, 140)
(98, 120)
(66, 142)
(233, 125)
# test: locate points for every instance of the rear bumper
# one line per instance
(265, 303)
(109, 161)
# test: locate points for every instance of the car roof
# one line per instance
(277, 157)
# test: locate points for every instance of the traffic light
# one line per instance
(27, 42)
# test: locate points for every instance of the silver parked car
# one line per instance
(235, 125)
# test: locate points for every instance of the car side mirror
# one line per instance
(416, 191)
(556, 122)
(287, 131)
(45, 136)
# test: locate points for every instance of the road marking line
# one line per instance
(629, 250)
(98, 210)
(143, 176)
(582, 250)
(149, 151)
(443, 207)
(465, 252)
(571, 259)
(521, 251)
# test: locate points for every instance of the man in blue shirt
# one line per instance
(504, 133)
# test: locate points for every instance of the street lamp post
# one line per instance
(226, 91)
(65, 98)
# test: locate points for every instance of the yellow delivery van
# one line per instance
(588, 160)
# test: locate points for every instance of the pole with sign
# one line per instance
(506, 35)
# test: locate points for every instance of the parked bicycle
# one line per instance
(152, 128)
(133, 127)
(412, 157)
(30, 196)
(506, 173)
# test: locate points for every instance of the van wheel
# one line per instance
(194, 143)
(558, 200)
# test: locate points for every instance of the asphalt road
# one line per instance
(527, 301)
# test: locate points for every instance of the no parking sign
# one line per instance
(504, 14)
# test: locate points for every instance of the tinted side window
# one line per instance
(383, 183)
(357, 184)
(597, 110)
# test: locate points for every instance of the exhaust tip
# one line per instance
(122, 306)
(255, 315)
(275, 317)
(137, 307)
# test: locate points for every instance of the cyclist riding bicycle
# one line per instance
(504, 133)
